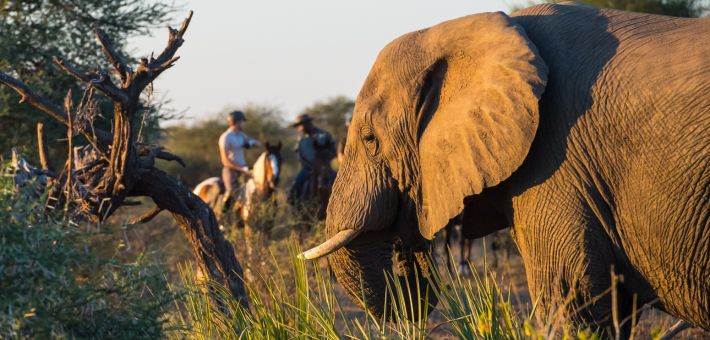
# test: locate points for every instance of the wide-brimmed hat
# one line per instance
(300, 120)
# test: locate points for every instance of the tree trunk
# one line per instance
(215, 255)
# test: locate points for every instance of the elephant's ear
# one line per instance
(478, 111)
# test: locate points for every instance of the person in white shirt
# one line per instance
(231, 147)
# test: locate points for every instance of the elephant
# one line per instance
(585, 130)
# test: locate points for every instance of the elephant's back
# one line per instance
(634, 83)
(574, 38)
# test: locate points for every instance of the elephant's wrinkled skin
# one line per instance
(584, 129)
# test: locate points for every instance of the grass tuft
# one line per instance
(475, 309)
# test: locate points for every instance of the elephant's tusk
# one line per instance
(330, 245)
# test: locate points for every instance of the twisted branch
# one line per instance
(150, 69)
(214, 254)
(121, 69)
(164, 155)
(160, 154)
(675, 329)
(147, 217)
(98, 79)
(101, 182)
(30, 97)
(43, 150)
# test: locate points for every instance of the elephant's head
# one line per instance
(444, 113)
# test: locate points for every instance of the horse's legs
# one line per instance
(447, 245)
(465, 245)
(506, 247)
(494, 248)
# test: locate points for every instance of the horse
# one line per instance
(499, 240)
(465, 245)
(319, 185)
(260, 185)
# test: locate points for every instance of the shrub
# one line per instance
(51, 286)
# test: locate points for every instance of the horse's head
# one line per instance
(273, 154)
(321, 162)
(323, 153)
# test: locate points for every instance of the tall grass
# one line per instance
(483, 312)
(293, 299)
(477, 309)
(306, 314)
(305, 306)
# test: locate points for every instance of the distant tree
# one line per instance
(197, 143)
(330, 115)
(34, 31)
(676, 8)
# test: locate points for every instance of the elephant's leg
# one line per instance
(568, 260)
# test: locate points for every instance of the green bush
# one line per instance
(51, 286)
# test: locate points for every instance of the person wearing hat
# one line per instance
(231, 148)
(306, 152)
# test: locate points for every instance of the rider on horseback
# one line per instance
(231, 147)
(306, 151)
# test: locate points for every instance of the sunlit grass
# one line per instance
(309, 313)
(483, 312)
(474, 309)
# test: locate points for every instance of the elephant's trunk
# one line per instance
(364, 266)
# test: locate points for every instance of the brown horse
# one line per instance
(260, 186)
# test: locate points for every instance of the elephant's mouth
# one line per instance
(341, 239)
(363, 265)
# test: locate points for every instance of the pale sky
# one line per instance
(287, 53)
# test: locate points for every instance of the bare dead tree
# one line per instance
(114, 167)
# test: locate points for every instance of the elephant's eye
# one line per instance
(370, 141)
